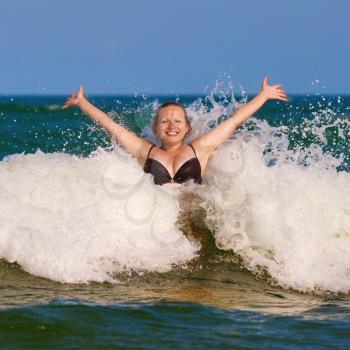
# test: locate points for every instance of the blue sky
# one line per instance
(164, 46)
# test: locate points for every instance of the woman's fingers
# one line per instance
(73, 98)
(277, 86)
(278, 93)
(68, 103)
(282, 96)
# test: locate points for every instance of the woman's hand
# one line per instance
(75, 99)
(273, 92)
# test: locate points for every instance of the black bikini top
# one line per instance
(190, 170)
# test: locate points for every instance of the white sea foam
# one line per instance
(289, 219)
(283, 211)
(77, 220)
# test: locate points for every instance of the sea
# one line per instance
(93, 255)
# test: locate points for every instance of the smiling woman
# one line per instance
(175, 162)
(172, 125)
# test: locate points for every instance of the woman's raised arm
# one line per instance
(135, 145)
(207, 143)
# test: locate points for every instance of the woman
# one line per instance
(175, 162)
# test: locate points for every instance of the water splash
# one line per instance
(276, 194)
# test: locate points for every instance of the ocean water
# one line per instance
(93, 255)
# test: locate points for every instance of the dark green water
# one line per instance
(212, 302)
(199, 309)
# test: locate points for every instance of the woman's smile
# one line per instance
(172, 133)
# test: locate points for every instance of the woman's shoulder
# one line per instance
(195, 142)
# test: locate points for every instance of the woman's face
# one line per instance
(171, 127)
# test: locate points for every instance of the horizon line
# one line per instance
(141, 94)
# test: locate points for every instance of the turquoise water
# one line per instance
(221, 295)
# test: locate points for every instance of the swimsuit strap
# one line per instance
(150, 150)
(193, 150)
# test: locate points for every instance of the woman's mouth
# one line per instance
(172, 133)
